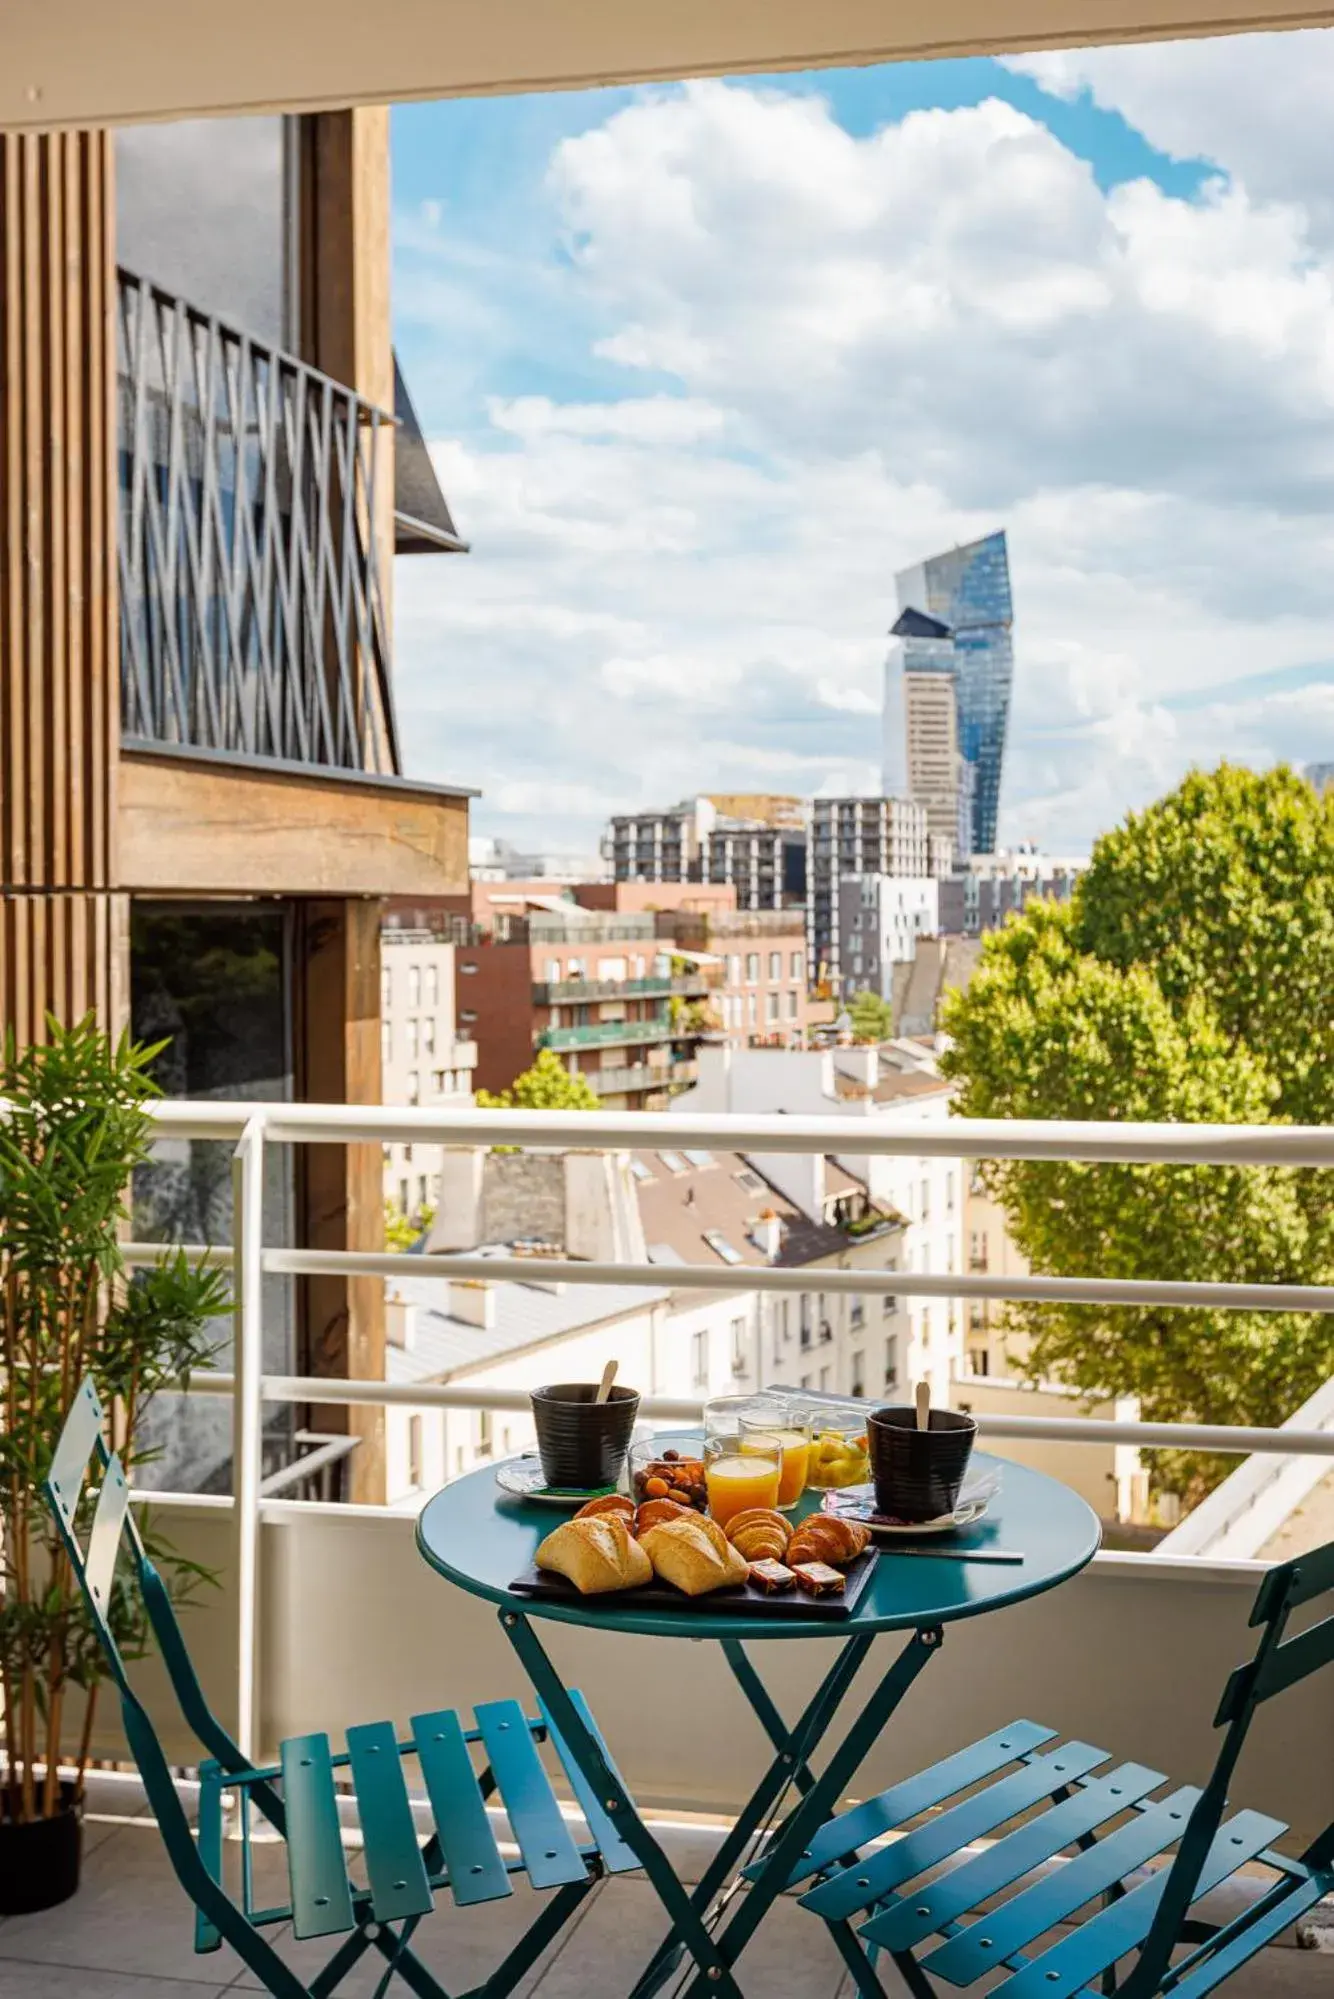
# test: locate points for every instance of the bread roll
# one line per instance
(596, 1554)
(610, 1502)
(694, 1555)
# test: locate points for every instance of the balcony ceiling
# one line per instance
(81, 61)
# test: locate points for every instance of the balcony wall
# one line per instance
(1130, 1656)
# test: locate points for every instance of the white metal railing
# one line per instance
(253, 1126)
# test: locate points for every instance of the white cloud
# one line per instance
(855, 351)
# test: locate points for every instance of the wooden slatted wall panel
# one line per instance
(61, 928)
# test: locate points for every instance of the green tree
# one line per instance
(872, 1017)
(547, 1086)
(1187, 981)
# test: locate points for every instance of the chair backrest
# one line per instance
(1278, 1662)
(82, 1442)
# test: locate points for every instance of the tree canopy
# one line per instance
(546, 1086)
(872, 1017)
(1188, 980)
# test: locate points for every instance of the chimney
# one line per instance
(473, 1301)
(766, 1232)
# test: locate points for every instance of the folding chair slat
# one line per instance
(1057, 1896)
(394, 1866)
(867, 1880)
(925, 1913)
(1295, 1658)
(477, 1873)
(104, 1539)
(916, 1794)
(207, 1936)
(83, 1426)
(1221, 1964)
(617, 1856)
(316, 1870)
(1123, 1925)
(549, 1852)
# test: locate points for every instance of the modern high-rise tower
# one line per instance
(956, 619)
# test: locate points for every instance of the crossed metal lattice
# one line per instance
(252, 611)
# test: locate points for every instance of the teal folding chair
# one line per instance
(891, 1897)
(299, 1795)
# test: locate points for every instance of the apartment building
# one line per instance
(859, 836)
(423, 1060)
(196, 324)
(756, 844)
(939, 777)
(926, 1192)
(881, 920)
(759, 958)
(978, 896)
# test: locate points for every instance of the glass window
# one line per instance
(415, 1474)
(857, 1374)
(204, 207)
(738, 1346)
(428, 1034)
(432, 985)
(771, 1000)
(412, 1032)
(699, 1359)
(925, 1210)
(857, 1312)
(553, 971)
(798, 965)
(414, 1088)
(734, 971)
(793, 999)
(824, 1380)
(889, 1305)
(775, 965)
(752, 1009)
(386, 988)
(891, 1363)
(752, 967)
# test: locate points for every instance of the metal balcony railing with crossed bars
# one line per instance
(252, 612)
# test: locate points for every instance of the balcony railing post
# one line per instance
(247, 1415)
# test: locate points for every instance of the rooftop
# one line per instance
(525, 1315)
(693, 1202)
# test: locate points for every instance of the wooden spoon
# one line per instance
(923, 1394)
(608, 1376)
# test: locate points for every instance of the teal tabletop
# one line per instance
(480, 1538)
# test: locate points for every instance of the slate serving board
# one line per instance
(741, 1600)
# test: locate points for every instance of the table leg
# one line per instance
(588, 1754)
(818, 1803)
(715, 1955)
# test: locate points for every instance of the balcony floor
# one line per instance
(128, 1932)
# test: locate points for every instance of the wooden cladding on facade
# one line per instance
(60, 926)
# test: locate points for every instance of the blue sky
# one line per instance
(701, 366)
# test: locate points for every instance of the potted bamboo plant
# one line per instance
(75, 1123)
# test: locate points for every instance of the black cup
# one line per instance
(918, 1473)
(583, 1442)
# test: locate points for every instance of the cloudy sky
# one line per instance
(702, 366)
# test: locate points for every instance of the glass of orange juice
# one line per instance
(794, 1443)
(740, 1474)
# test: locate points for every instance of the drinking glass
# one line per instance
(793, 1440)
(739, 1474)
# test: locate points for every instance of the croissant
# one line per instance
(768, 1514)
(596, 1553)
(759, 1540)
(827, 1537)
(694, 1554)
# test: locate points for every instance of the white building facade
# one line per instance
(880, 919)
(422, 1058)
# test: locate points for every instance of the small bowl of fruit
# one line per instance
(839, 1456)
(661, 1469)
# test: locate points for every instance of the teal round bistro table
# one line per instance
(478, 1537)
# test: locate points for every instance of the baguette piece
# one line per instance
(596, 1553)
(694, 1555)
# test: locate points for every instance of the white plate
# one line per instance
(522, 1478)
(857, 1502)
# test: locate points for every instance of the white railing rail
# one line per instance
(250, 1127)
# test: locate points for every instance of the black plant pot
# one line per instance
(39, 1861)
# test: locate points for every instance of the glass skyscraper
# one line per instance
(967, 591)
